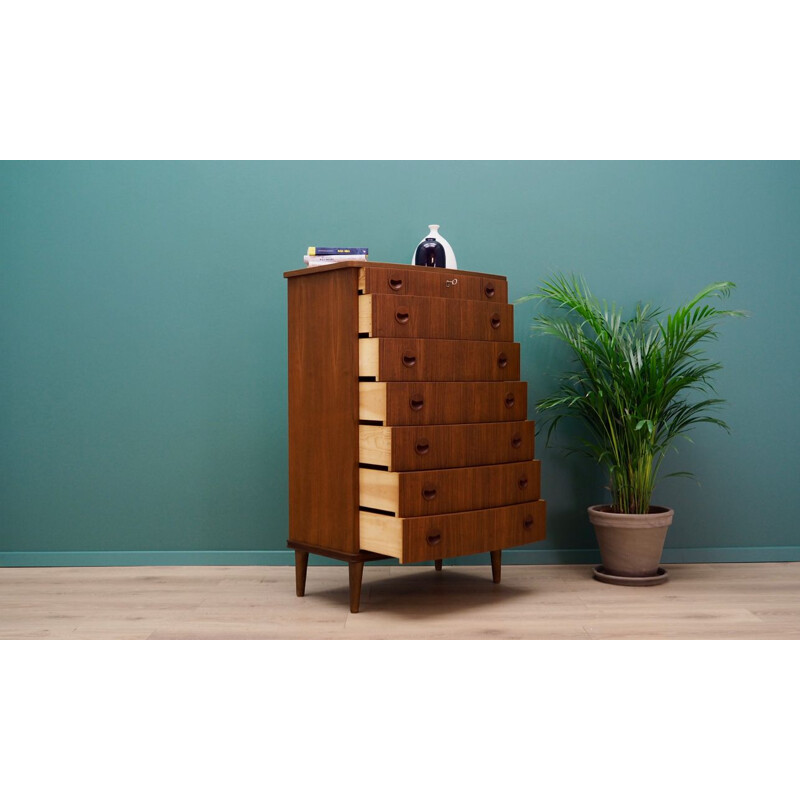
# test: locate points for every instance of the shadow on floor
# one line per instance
(423, 594)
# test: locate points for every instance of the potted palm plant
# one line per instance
(637, 385)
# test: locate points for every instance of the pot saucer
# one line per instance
(600, 574)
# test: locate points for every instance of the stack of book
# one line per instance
(317, 256)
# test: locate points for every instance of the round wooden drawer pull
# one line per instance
(488, 290)
(433, 538)
(502, 360)
(523, 482)
(428, 492)
(409, 359)
(516, 441)
(401, 315)
(416, 402)
(495, 320)
(422, 447)
(527, 523)
(395, 284)
(510, 400)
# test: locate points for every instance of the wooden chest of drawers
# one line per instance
(407, 419)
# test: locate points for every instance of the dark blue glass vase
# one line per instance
(429, 254)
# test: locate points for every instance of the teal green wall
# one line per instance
(143, 324)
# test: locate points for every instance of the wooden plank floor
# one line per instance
(700, 601)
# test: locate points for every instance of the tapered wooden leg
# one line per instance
(356, 573)
(437, 564)
(300, 569)
(495, 554)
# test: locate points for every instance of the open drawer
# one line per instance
(446, 491)
(442, 403)
(448, 535)
(400, 359)
(434, 318)
(413, 447)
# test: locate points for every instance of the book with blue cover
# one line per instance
(338, 251)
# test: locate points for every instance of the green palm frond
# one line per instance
(637, 384)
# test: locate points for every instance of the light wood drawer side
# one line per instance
(375, 445)
(372, 401)
(365, 314)
(379, 489)
(368, 357)
(381, 534)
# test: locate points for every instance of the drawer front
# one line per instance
(436, 283)
(443, 403)
(438, 360)
(446, 491)
(450, 535)
(443, 446)
(434, 318)
(413, 447)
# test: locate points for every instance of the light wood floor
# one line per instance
(700, 601)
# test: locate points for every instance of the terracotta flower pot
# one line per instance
(631, 544)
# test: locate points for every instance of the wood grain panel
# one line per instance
(447, 491)
(443, 403)
(435, 318)
(424, 447)
(438, 360)
(323, 409)
(392, 279)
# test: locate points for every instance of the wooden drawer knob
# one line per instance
(434, 537)
(428, 491)
(422, 447)
(401, 315)
(523, 482)
(510, 400)
(527, 523)
(502, 361)
(416, 402)
(494, 320)
(516, 441)
(409, 359)
(488, 290)
(395, 283)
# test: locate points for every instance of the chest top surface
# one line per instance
(296, 273)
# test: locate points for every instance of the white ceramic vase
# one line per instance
(449, 255)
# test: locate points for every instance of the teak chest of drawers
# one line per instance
(407, 419)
